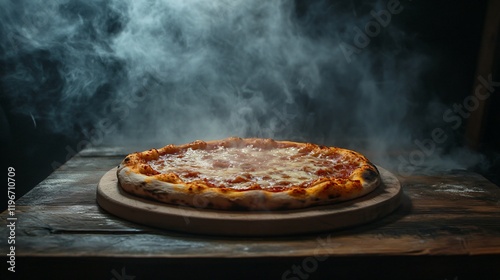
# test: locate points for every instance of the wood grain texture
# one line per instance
(452, 217)
(476, 122)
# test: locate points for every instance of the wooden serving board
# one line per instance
(375, 205)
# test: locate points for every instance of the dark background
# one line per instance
(449, 32)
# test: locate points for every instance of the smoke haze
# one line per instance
(178, 71)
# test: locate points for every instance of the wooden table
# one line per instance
(448, 227)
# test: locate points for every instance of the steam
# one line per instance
(234, 68)
(184, 70)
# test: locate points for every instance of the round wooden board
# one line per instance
(377, 204)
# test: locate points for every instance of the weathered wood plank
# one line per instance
(84, 163)
(487, 56)
(452, 213)
(117, 151)
(64, 188)
(60, 230)
(161, 246)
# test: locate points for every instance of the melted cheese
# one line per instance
(242, 168)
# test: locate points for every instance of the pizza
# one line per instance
(248, 174)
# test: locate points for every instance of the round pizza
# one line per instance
(248, 174)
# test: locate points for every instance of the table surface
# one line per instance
(448, 226)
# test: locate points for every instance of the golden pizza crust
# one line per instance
(137, 177)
